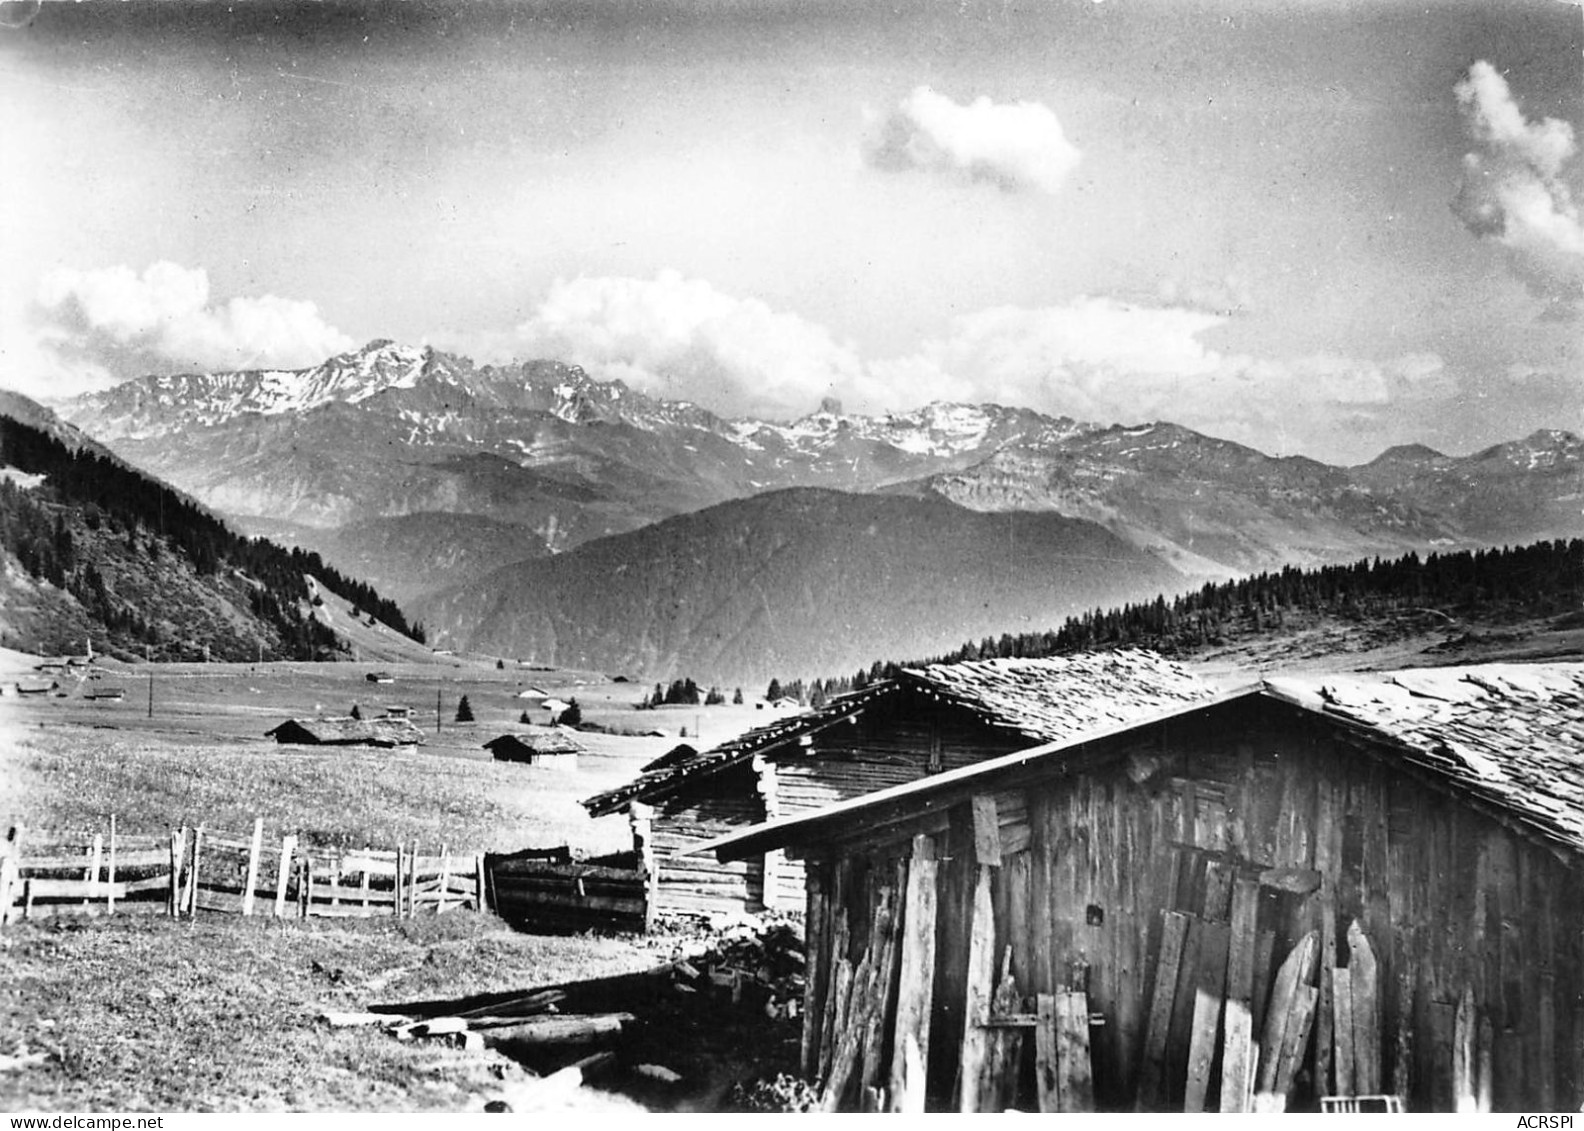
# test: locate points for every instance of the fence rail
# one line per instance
(47, 873)
(545, 889)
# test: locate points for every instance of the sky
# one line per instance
(1317, 227)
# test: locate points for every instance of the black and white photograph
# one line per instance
(791, 556)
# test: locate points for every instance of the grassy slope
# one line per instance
(143, 1013)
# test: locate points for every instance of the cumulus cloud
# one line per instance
(1512, 189)
(112, 323)
(1013, 145)
(684, 339)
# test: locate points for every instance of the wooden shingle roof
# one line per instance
(1508, 738)
(539, 740)
(1509, 735)
(347, 731)
(1040, 699)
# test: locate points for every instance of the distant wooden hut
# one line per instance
(380, 677)
(541, 746)
(347, 731)
(36, 686)
(1310, 889)
(112, 693)
(923, 722)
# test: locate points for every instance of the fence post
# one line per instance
(10, 871)
(192, 885)
(110, 893)
(445, 878)
(254, 848)
(95, 858)
(478, 879)
(283, 874)
(305, 887)
(368, 860)
(401, 861)
(178, 851)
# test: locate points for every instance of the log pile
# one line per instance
(756, 963)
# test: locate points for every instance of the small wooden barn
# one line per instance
(923, 722)
(541, 746)
(1311, 889)
(347, 731)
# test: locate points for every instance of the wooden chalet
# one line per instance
(541, 746)
(924, 722)
(347, 731)
(1302, 894)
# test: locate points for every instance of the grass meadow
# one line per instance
(139, 1012)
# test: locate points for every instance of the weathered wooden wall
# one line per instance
(1452, 901)
(894, 741)
(710, 807)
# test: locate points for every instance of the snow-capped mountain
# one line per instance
(383, 452)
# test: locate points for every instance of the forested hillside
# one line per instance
(147, 570)
(1440, 591)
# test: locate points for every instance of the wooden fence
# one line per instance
(188, 870)
(544, 888)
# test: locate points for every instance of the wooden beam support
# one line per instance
(916, 981)
(980, 987)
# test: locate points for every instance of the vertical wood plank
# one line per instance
(283, 874)
(986, 829)
(1293, 975)
(1206, 1021)
(479, 903)
(1074, 1072)
(1264, 955)
(1237, 1059)
(1045, 1071)
(1305, 1002)
(1465, 1044)
(95, 861)
(1364, 987)
(192, 886)
(1438, 1055)
(1342, 1031)
(1403, 1050)
(364, 887)
(178, 856)
(445, 878)
(816, 950)
(980, 987)
(1484, 1077)
(916, 979)
(255, 848)
(1180, 1035)
(1328, 862)
(1152, 1065)
(111, 876)
(1042, 851)
(882, 1000)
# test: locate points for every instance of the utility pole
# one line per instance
(151, 693)
(437, 710)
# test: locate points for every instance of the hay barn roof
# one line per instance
(1508, 738)
(540, 740)
(1040, 699)
(347, 731)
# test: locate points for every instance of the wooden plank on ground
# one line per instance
(1074, 1071)
(1174, 930)
(1209, 992)
(979, 987)
(916, 978)
(1364, 983)
(1342, 1032)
